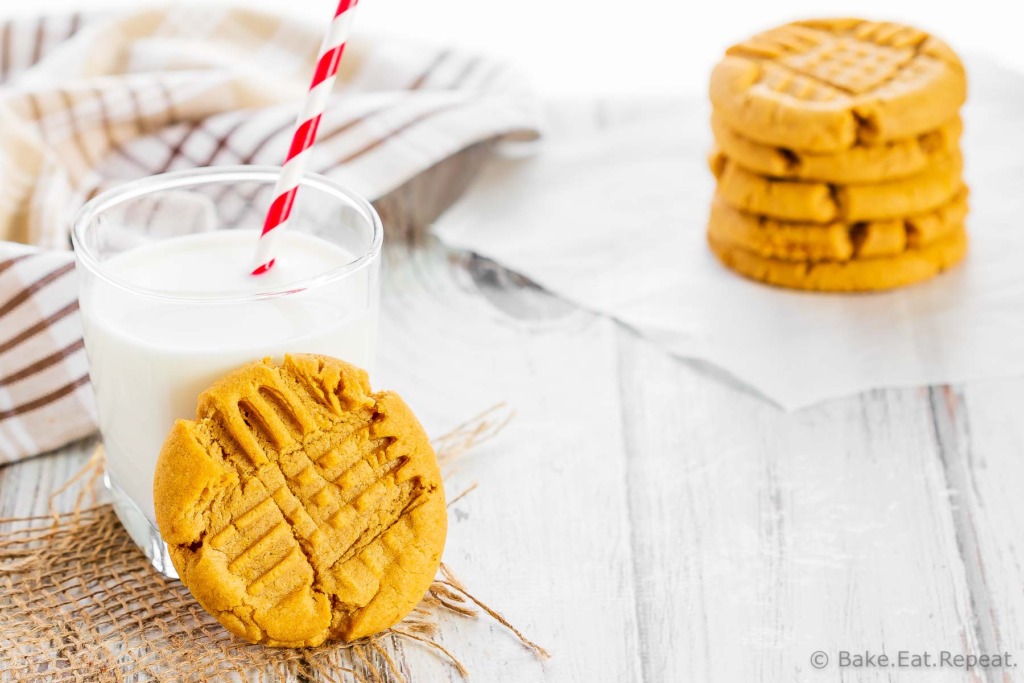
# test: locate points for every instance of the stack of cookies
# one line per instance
(838, 156)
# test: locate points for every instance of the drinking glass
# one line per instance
(157, 332)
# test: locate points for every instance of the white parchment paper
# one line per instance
(611, 215)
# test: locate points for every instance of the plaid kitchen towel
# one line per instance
(88, 102)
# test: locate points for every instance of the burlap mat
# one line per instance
(80, 602)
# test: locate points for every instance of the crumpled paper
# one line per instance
(611, 215)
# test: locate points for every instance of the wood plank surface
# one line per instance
(648, 521)
(764, 537)
(545, 537)
(980, 432)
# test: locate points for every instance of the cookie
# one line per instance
(825, 86)
(788, 241)
(861, 275)
(859, 164)
(298, 506)
(814, 202)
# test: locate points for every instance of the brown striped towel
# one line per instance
(87, 102)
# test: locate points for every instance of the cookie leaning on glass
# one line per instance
(837, 156)
(299, 506)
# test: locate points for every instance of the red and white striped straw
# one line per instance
(305, 134)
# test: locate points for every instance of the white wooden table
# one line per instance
(649, 521)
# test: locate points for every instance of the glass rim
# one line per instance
(136, 189)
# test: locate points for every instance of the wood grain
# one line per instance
(980, 433)
(829, 529)
(648, 521)
(545, 536)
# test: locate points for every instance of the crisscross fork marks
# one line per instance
(334, 503)
(816, 63)
(316, 509)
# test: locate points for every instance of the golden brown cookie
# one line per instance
(300, 507)
(859, 164)
(813, 202)
(827, 85)
(838, 241)
(861, 275)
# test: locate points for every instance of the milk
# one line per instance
(149, 358)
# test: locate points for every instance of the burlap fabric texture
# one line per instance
(79, 602)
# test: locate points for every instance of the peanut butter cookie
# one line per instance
(861, 275)
(837, 241)
(824, 86)
(859, 164)
(805, 201)
(298, 506)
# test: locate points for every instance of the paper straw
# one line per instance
(305, 135)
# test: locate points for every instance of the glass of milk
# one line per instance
(168, 303)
